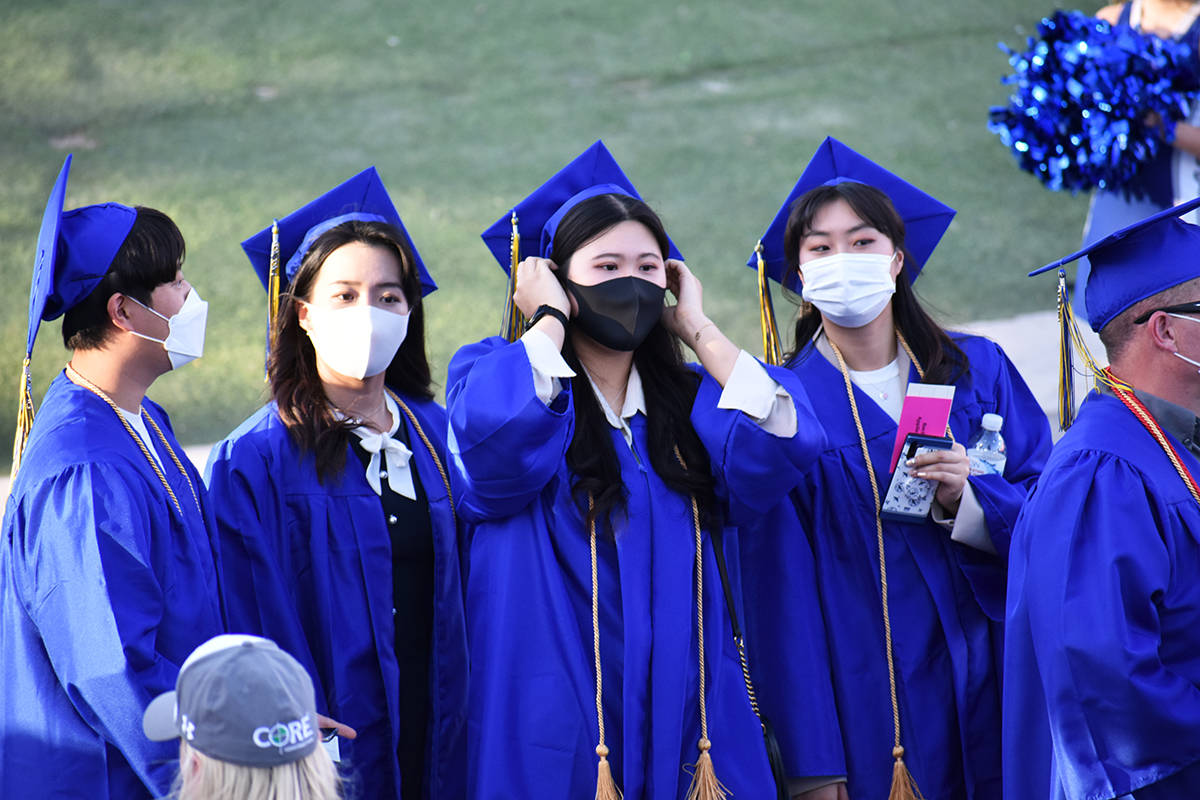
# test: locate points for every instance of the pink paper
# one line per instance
(926, 411)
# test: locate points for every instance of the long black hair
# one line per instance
(668, 384)
(941, 358)
(292, 365)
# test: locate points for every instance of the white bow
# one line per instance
(397, 454)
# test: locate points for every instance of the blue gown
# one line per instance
(105, 588)
(309, 565)
(1102, 651)
(946, 599)
(533, 725)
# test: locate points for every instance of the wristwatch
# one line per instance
(546, 310)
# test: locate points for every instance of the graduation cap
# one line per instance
(276, 251)
(74, 251)
(528, 229)
(925, 221)
(1136, 262)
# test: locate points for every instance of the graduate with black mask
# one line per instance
(108, 569)
(596, 509)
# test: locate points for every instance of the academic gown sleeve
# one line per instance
(756, 467)
(91, 591)
(1090, 580)
(508, 443)
(1027, 440)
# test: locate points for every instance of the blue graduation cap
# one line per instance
(74, 251)
(362, 197)
(528, 229)
(925, 217)
(1136, 262)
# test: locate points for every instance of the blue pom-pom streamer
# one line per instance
(1081, 93)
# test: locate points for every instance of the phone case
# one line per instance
(908, 497)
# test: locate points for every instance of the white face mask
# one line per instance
(1178, 354)
(850, 289)
(185, 330)
(356, 341)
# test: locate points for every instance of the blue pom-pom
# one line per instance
(1084, 94)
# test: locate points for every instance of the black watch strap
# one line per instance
(546, 310)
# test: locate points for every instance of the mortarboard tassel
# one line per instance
(24, 414)
(513, 323)
(1066, 370)
(273, 284)
(772, 351)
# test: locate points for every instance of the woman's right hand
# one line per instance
(537, 285)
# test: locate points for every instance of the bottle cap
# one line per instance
(991, 422)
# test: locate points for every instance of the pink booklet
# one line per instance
(926, 411)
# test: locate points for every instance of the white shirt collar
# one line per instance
(635, 402)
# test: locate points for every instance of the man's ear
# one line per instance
(118, 311)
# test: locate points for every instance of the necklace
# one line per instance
(96, 390)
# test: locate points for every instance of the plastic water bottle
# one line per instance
(986, 448)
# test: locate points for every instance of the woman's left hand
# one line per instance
(686, 317)
(950, 468)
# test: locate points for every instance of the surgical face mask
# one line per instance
(356, 341)
(185, 330)
(1178, 354)
(850, 289)
(618, 313)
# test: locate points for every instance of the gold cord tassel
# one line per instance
(273, 285)
(24, 414)
(772, 351)
(1066, 371)
(513, 324)
(705, 785)
(606, 786)
(904, 787)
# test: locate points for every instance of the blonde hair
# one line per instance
(202, 777)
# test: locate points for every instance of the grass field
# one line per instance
(225, 113)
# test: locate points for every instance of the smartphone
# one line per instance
(909, 498)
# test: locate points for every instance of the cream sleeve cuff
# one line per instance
(547, 364)
(751, 390)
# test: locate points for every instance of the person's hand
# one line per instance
(343, 730)
(1154, 121)
(537, 286)
(686, 318)
(832, 791)
(950, 468)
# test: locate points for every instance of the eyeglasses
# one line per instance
(1183, 308)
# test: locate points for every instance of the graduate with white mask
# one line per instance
(912, 610)
(108, 568)
(599, 519)
(1101, 675)
(333, 501)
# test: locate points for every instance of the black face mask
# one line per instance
(619, 313)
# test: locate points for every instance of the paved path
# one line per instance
(1031, 341)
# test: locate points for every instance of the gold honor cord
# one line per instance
(606, 786)
(513, 323)
(274, 287)
(96, 390)
(772, 350)
(25, 412)
(428, 446)
(904, 786)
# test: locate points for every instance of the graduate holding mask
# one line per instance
(912, 611)
(334, 503)
(596, 509)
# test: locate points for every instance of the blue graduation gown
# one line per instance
(946, 599)
(309, 565)
(105, 588)
(1102, 649)
(533, 723)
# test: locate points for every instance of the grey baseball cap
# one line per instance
(241, 699)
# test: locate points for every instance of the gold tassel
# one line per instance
(606, 787)
(772, 351)
(513, 324)
(24, 414)
(904, 786)
(705, 785)
(1066, 370)
(273, 285)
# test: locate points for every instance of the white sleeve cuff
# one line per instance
(547, 364)
(753, 392)
(968, 526)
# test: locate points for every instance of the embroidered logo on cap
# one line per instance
(286, 736)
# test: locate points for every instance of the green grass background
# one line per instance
(224, 113)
